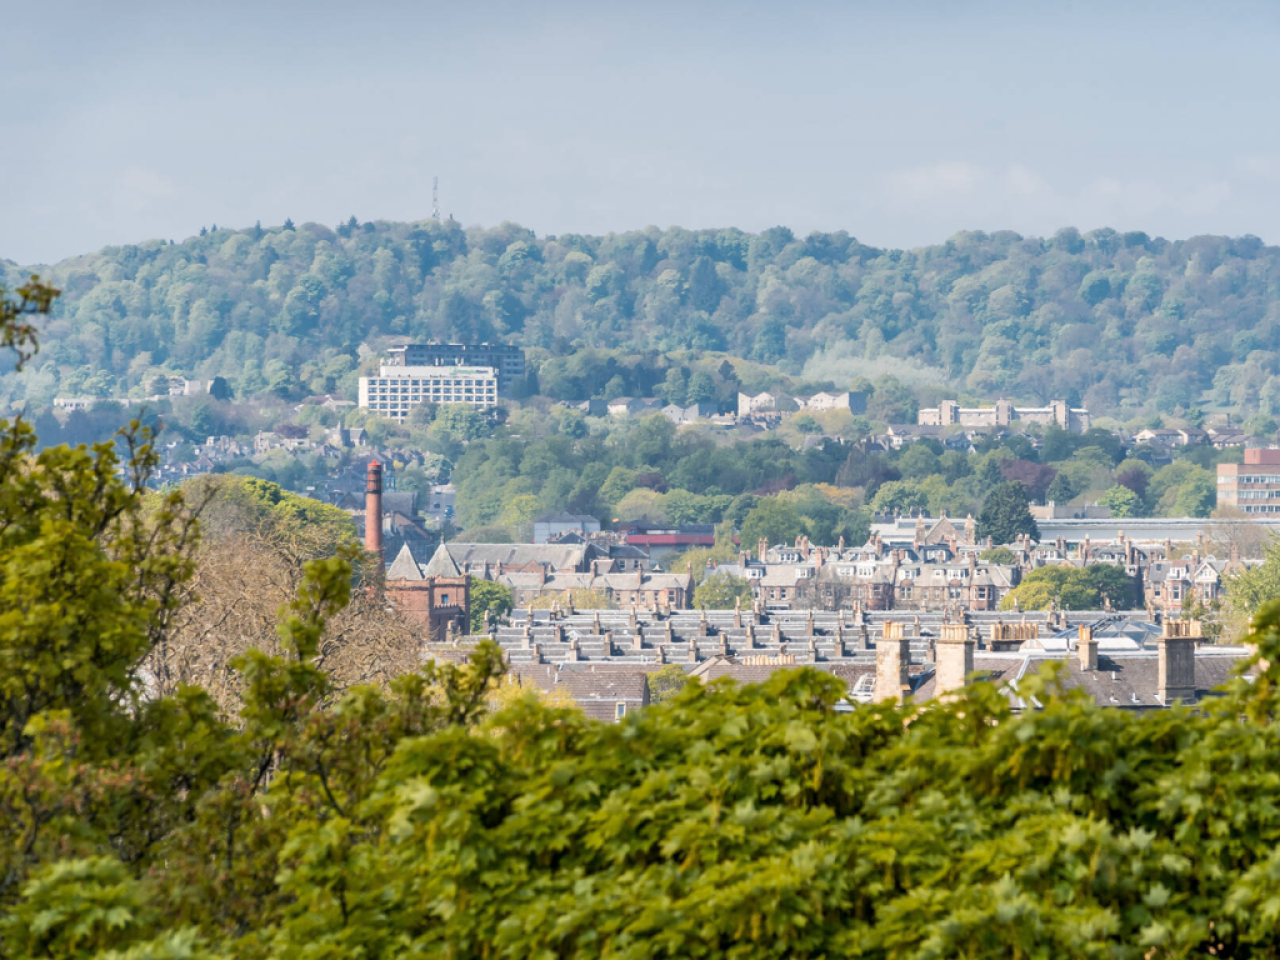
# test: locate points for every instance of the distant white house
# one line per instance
(750, 404)
(680, 415)
(769, 402)
(633, 406)
(855, 401)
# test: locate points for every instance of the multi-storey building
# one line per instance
(506, 360)
(1252, 486)
(398, 389)
(1059, 412)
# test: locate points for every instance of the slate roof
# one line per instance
(452, 559)
(566, 518)
(597, 689)
(1132, 680)
(404, 566)
(400, 501)
(713, 668)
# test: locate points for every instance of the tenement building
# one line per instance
(506, 360)
(1059, 412)
(1252, 486)
(396, 390)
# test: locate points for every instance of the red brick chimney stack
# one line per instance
(373, 509)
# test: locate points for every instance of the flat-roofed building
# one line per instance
(398, 389)
(506, 360)
(950, 413)
(1252, 486)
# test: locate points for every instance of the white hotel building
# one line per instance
(396, 390)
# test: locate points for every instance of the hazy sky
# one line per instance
(900, 122)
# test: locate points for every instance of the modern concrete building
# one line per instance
(506, 360)
(1059, 412)
(398, 389)
(1252, 486)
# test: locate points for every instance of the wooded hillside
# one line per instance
(1125, 323)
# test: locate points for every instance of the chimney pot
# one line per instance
(1176, 667)
(1087, 649)
(954, 658)
(893, 658)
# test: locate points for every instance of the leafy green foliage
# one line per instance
(773, 521)
(1249, 589)
(491, 597)
(1122, 502)
(726, 821)
(1072, 588)
(722, 591)
(262, 511)
(1124, 327)
(666, 683)
(1000, 555)
(1006, 515)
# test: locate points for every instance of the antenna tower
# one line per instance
(435, 198)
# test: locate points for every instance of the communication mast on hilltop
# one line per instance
(435, 198)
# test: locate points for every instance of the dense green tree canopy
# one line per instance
(728, 821)
(1121, 501)
(1072, 588)
(1122, 325)
(1006, 515)
(722, 591)
(491, 597)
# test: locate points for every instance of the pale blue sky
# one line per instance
(899, 122)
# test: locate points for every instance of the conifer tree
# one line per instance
(1006, 515)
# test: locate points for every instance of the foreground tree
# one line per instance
(730, 821)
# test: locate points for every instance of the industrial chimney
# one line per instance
(373, 509)
(1087, 649)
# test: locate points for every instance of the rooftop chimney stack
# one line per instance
(893, 658)
(373, 509)
(954, 660)
(1087, 648)
(1176, 650)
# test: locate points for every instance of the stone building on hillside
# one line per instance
(1059, 412)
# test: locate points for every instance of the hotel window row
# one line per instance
(397, 390)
